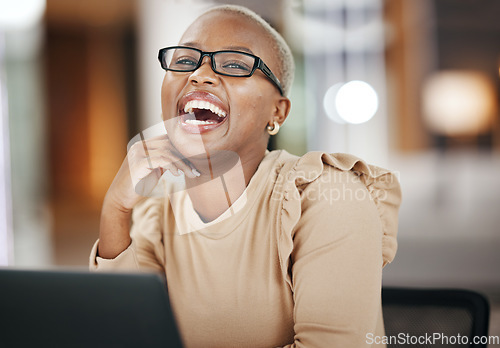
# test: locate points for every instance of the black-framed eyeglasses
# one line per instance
(226, 62)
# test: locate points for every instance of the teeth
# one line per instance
(201, 104)
(200, 123)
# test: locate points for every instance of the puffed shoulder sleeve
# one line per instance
(382, 185)
(337, 228)
(146, 251)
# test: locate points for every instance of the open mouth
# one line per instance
(198, 116)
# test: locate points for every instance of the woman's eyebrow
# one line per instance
(239, 48)
(190, 44)
(233, 48)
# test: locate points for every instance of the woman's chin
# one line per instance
(195, 146)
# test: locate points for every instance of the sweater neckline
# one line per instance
(188, 221)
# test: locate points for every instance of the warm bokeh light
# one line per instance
(459, 103)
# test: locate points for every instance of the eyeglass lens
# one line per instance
(232, 63)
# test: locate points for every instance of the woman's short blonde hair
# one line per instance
(286, 65)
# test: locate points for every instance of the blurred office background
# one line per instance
(412, 85)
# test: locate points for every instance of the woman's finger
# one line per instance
(143, 167)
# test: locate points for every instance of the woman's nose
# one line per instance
(204, 74)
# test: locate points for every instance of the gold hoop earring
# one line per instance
(274, 129)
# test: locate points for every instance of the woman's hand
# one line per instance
(145, 163)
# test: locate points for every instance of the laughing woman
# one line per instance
(261, 249)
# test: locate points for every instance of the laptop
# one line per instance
(83, 309)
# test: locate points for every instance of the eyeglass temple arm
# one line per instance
(265, 69)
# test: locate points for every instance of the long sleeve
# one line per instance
(146, 252)
(338, 245)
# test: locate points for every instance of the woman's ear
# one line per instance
(281, 109)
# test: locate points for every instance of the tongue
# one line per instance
(205, 115)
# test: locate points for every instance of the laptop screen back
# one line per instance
(81, 309)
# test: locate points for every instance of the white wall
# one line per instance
(161, 24)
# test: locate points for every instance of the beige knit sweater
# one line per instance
(296, 262)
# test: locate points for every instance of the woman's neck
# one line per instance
(224, 177)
